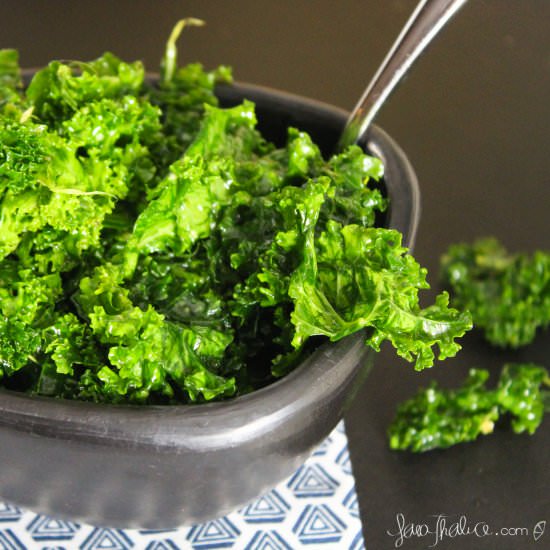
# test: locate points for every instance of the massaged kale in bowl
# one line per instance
(157, 250)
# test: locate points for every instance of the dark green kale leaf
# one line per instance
(507, 294)
(182, 101)
(439, 418)
(355, 200)
(183, 289)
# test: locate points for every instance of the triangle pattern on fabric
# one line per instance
(47, 528)
(312, 481)
(351, 503)
(9, 512)
(344, 461)
(270, 508)
(358, 542)
(267, 540)
(323, 447)
(218, 533)
(162, 545)
(155, 531)
(107, 539)
(318, 525)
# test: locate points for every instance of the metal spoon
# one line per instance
(427, 20)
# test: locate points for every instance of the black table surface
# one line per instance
(474, 119)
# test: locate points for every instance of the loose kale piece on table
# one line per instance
(507, 294)
(438, 418)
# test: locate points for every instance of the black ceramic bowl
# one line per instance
(160, 467)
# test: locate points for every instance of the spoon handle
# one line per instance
(427, 20)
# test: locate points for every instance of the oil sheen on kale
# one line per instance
(155, 248)
(437, 418)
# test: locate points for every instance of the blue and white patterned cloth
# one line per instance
(314, 508)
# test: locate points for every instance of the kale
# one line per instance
(439, 418)
(156, 248)
(11, 100)
(507, 294)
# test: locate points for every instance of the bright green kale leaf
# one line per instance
(295, 212)
(68, 341)
(25, 149)
(155, 355)
(60, 89)
(520, 393)
(66, 184)
(186, 206)
(360, 277)
(28, 298)
(507, 294)
(439, 418)
(19, 343)
(10, 74)
(146, 353)
(10, 84)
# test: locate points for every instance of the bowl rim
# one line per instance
(212, 425)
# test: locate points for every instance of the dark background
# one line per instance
(474, 118)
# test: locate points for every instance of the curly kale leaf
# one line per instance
(183, 290)
(520, 393)
(38, 343)
(11, 98)
(185, 208)
(439, 418)
(68, 349)
(28, 298)
(355, 199)
(182, 101)
(46, 359)
(68, 183)
(146, 353)
(57, 91)
(18, 344)
(359, 277)
(507, 294)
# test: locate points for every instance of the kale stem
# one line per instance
(169, 63)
